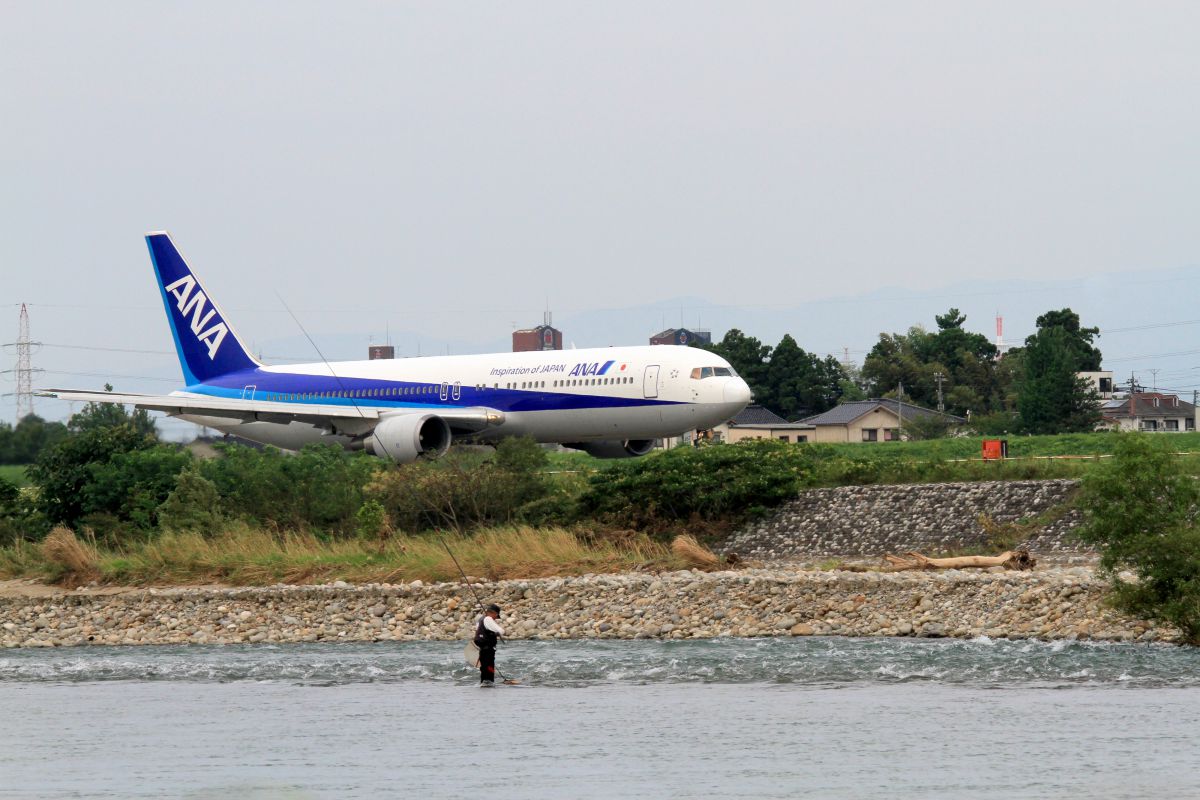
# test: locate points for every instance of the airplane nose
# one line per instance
(737, 391)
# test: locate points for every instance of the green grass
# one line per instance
(1066, 444)
(14, 473)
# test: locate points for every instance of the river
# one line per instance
(787, 717)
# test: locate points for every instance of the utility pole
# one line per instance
(1154, 380)
(900, 411)
(937, 376)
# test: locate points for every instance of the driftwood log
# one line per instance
(1012, 559)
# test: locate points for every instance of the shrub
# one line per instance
(131, 486)
(20, 519)
(1141, 513)
(321, 486)
(193, 506)
(462, 491)
(713, 483)
(372, 520)
(64, 472)
(447, 494)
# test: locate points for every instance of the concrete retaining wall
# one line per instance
(869, 521)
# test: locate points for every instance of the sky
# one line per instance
(440, 173)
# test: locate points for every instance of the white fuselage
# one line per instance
(614, 393)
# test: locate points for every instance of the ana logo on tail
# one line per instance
(195, 305)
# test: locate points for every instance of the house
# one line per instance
(874, 420)
(1148, 411)
(756, 422)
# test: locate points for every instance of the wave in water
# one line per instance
(817, 662)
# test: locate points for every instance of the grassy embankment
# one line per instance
(243, 556)
(600, 502)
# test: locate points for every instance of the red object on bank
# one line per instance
(995, 449)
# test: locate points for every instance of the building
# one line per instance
(543, 337)
(1101, 383)
(756, 422)
(875, 420)
(1148, 411)
(682, 336)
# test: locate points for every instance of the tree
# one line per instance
(1141, 511)
(799, 382)
(966, 362)
(1085, 356)
(1053, 399)
(22, 444)
(63, 472)
(897, 358)
(748, 356)
(107, 415)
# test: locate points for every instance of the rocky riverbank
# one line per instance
(1048, 603)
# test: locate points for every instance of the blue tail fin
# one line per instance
(206, 343)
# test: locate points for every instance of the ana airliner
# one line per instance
(611, 402)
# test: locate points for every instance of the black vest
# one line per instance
(484, 638)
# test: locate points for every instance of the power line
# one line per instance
(109, 349)
(109, 375)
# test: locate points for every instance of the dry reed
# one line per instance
(693, 553)
(245, 555)
(75, 562)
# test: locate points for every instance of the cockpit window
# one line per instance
(700, 373)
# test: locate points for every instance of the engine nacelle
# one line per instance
(407, 437)
(615, 448)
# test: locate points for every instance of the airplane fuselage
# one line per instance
(613, 402)
(553, 396)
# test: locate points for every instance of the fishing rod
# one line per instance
(350, 395)
(471, 586)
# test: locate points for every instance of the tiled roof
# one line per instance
(757, 415)
(1144, 407)
(848, 412)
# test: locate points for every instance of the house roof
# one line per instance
(757, 415)
(848, 412)
(1169, 405)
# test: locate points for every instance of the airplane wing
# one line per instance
(350, 420)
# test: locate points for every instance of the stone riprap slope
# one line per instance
(1050, 603)
(939, 517)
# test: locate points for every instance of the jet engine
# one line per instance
(407, 437)
(615, 448)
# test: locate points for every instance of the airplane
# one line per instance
(611, 402)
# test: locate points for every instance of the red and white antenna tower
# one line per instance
(1001, 347)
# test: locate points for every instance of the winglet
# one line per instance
(204, 339)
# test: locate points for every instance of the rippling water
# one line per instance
(750, 718)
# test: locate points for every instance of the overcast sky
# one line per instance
(451, 168)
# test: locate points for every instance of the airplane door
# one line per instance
(650, 381)
(248, 392)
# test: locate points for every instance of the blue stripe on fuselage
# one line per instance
(300, 390)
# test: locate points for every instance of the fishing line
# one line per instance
(349, 396)
(471, 586)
